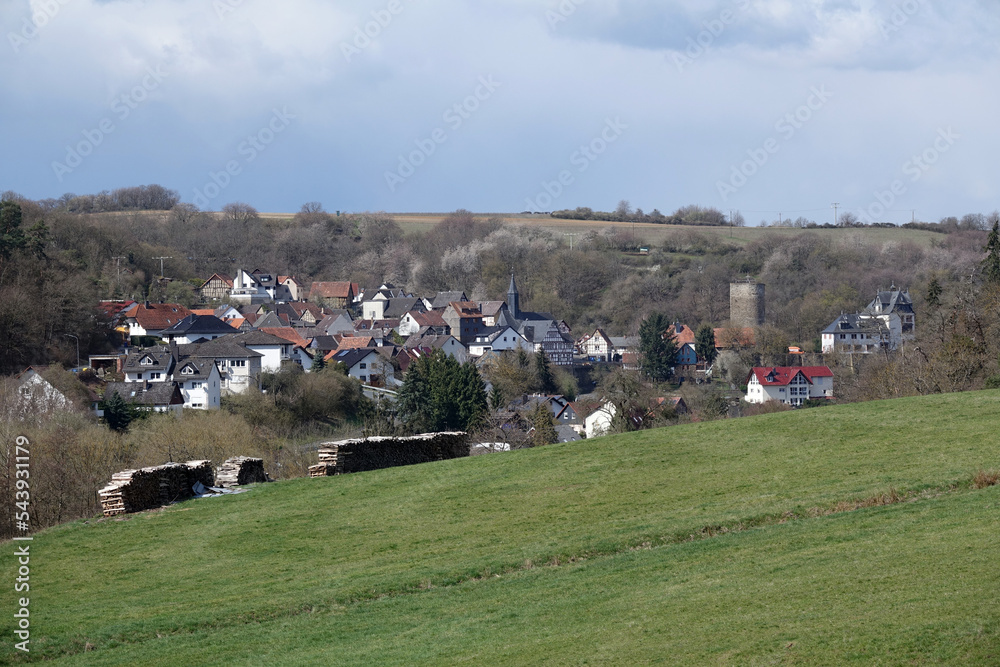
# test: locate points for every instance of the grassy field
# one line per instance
(583, 553)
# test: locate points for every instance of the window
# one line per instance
(146, 361)
(240, 363)
(187, 371)
(154, 376)
(196, 385)
(363, 365)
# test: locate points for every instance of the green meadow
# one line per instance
(846, 534)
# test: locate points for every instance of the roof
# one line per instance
(331, 290)
(429, 319)
(727, 337)
(228, 280)
(199, 324)
(855, 323)
(466, 309)
(350, 357)
(202, 369)
(161, 357)
(225, 347)
(442, 299)
(289, 334)
(396, 307)
(891, 300)
(356, 342)
(146, 393)
(429, 342)
(491, 308)
(624, 341)
(682, 334)
(271, 319)
(258, 337)
(157, 316)
(780, 376)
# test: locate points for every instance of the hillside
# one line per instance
(593, 552)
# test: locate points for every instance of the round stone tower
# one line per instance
(746, 303)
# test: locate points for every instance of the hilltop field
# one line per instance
(856, 534)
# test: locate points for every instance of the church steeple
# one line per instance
(513, 299)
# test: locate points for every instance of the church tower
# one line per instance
(513, 299)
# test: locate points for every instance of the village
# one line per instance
(173, 358)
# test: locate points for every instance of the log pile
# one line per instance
(240, 470)
(131, 491)
(148, 488)
(347, 456)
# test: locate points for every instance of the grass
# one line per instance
(398, 566)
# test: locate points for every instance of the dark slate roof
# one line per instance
(258, 338)
(161, 357)
(325, 343)
(270, 320)
(892, 300)
(198, 325)
(399, 306)
(202, 369)
(146, 393)
(441, 301)
(351, 357)
(854, 323)
(226, 347)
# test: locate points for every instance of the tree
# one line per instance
(118, 414)
(318, 362)
(991, 265)
(439, 394)
(704, 343)
(240, 212)
(546, 383)
(545, 429)
(656, 348)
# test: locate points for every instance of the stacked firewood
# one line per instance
(328, 459)
(138, 490)
(131, 491)
(240, 470)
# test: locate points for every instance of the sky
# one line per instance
(769, 107)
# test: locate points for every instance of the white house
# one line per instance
(273, 350)
(863, 333)
(364, 364)
(200, 383)
(791, 385)
(449, 344)
(598, 422)
(248, 290)
(239, 366)
(499, 340)
(597, 346)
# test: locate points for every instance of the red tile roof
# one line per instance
(158, 316)
(287, 333)
(685, 336)
(331, 290)
(780, 376)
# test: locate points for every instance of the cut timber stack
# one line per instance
(131, 491)
(347, 456)
(240, 470)
(200, 471)
(138, 490)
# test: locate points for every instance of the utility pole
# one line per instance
(577, 234)
(913, 215)
(835, 205)
(161, 264)
(118, 261)
(77, 349)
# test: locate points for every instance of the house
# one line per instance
(272, 349)
(332, 294)
(596, 346)
(308, 314)
(418, 322)
(216, 288)
(491, 311)
(894, 301)
(197, 327)
(498, 339)
(791, 385)
(364, 364)
(154, 364)
(150, 319)
(442, 299)
(546, 335)
(299, 351)
(862, 333)
(250, 289)
(465, 320)
(598, 422)
(162, 397)
(239, 366)
(200, 383)
(36, 394)
(420, 345)
(335, 322)
(620, 345)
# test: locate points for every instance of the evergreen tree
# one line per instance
(545, 429)
(704, 343)
(934, 293)
(657, 348)
(546, 383)
(991, 265)
(318, 363)
(118, 414)
(439, 394)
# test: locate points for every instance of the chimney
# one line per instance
(148, 305)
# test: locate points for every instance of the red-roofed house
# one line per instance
(334, 295)
(792, 385)
(465, 320)
(149, 319)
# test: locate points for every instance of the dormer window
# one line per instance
(146, 361)
(188, 370)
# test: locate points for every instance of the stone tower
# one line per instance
(746, 303)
